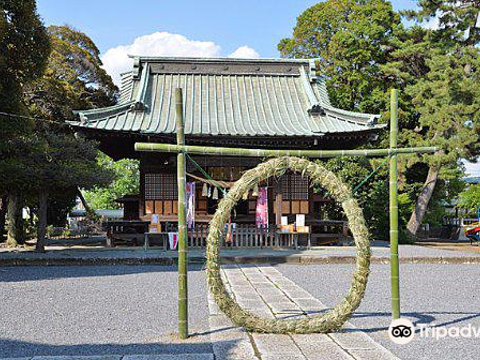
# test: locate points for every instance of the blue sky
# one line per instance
(236, 28)
(260, 24)
(210, 28)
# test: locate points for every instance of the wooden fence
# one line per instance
(239, 236)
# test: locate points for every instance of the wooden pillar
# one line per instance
(345, 229)
(141, 200)
(278, 203)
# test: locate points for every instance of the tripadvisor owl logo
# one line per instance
(401, 331)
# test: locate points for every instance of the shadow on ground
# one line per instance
(165, 345)
(418, 318)
(29, 273)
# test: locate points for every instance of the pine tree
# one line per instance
(446, 92)
(62, 162)
(24, 49)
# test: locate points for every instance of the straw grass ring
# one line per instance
(329, 321)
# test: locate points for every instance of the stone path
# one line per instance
(266, 292)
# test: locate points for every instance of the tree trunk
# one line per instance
(88, 210)
(42, 221)
(423, 200)
(14, 214)
(3, 214)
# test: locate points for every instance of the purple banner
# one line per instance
(190, 205)
(261, 215)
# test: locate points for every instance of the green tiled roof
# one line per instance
(231, 97)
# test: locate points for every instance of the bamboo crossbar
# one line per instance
(210, 150)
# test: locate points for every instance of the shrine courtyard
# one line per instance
(110, 312)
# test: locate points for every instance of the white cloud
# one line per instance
(432, 24)
(116, 60)
(472, 169)
(244, 52)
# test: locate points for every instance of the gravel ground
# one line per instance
(444, 295)
(132, 309)
(97, 310)
(379, 249)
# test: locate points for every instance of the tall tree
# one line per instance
(448, 102)
(59, 162)
(24, 49)
(364, 50)
(73, 79)
(446, 88)
(349, 38)
(3, 215)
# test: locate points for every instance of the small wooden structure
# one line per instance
(252, 103)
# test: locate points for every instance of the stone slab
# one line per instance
(328, 351)
(275, 344)
(354, 340)
(73, 357)
(170, 357)
(372, 354)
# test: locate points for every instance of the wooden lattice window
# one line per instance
(160, 187)
(294, 187)
(298, 187)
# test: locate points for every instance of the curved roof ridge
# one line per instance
(104, 110)
(217, 59)
(369, 118)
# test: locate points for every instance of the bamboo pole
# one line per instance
(394, 207)
(210, 150)
(182, 222)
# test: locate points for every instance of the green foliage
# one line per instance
(457, 19)
(363, 50)
(74, 78)
(47, 74)
(59, 205)
(446, 99)
(126, 181)
(372, 196)
(440, 77)
(58, 162)
(349, 38)
(470, 198)
(24, 49)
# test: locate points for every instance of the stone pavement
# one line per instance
(122, 357)
(266, 292)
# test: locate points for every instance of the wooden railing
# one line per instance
(241, 236)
